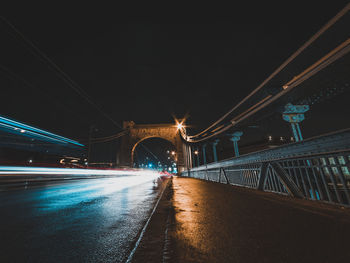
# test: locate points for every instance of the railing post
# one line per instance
(294, 114)
(204, 157)
(262, 177)
(190, 164)
(224, 173)
(189, 160)
(291, 187)
(193, 159)
(186, 156)
(236, 136)
(214, 150)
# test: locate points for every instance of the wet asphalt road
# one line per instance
(91, 220)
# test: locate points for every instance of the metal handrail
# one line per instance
(315, 169)
(338, 141)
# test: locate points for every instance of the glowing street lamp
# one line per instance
(196, 153)
(179, 126)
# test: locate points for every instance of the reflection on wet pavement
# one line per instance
(92, 220)
(222, 223)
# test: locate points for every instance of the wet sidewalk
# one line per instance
(200, 221)
(222, 223)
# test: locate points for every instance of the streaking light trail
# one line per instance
(24, 129)
(21, 170)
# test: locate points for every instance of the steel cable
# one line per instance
(282, 66)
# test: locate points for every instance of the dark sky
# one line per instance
(148, 64)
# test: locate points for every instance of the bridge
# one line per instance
(136, 133)
(268, 181)
(314, 169)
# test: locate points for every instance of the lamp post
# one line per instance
(215, 143)
(294, 114)
(236, 136)
(204, 156)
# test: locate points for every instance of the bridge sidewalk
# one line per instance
(212, 222)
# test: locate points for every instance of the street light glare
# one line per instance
(179, 126)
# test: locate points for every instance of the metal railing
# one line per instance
(315, 169)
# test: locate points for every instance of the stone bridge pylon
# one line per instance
(140, 132)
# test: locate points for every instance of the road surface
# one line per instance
(89, 220)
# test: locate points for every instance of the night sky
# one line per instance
(146, 65)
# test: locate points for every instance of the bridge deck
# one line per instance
(213, 222)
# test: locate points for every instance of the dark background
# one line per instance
(150, 63)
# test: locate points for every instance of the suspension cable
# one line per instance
(330, 23)
(328, 59)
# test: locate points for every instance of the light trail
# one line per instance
(23, 128)
(23, 170)
(27, 133)
(103, 214)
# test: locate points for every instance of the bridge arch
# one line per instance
(155, 141)
(145, 139)
(138, 133)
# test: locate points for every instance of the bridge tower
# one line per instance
(140, 132)
(294, 114)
